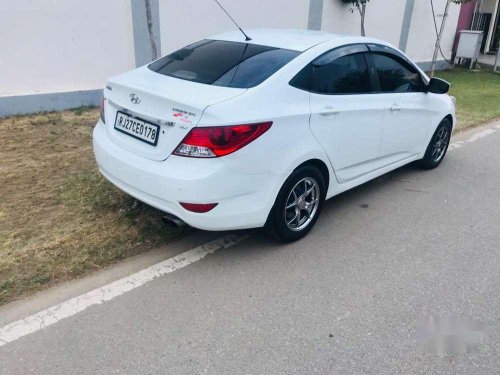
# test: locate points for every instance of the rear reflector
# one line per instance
(102, 109)
(215, 141)
(198, 208)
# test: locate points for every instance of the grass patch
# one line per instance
(59, 218)
(477, 93)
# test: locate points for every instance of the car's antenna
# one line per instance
(247, 38)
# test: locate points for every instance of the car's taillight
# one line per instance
(102, 109)
(215, 141)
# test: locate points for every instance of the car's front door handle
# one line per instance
(395, 108)
(329, 112)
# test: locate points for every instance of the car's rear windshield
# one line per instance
(223, 63)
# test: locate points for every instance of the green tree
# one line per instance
(360, 5)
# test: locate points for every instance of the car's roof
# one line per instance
(293, 39)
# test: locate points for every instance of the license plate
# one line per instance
(139, 129)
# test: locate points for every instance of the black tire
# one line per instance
(289, 194)
(436, 151)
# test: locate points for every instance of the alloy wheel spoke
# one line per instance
(308, 192)
(293, 219)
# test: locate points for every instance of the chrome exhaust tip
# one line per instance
(173, 221)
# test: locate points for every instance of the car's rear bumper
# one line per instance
(244, 200)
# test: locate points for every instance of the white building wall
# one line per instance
(191, 20)
(187, 21)
(383, 19)
(422, 36)
(73, 46)
(63, 45)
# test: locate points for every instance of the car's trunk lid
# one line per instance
(175, 105)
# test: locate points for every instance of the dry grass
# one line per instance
(59, 218)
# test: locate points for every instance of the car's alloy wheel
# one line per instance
(298, 204)
(440, 143)
(436, 150)
(302, 204)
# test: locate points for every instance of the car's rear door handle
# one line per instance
(329, 112)
(394, 108)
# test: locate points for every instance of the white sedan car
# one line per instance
(232, 134)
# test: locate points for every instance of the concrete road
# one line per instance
(347, 299)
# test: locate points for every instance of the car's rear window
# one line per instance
(223, 63)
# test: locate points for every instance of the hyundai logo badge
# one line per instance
(135, 99)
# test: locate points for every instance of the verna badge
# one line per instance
(135, 99)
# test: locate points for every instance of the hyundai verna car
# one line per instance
(231, 134)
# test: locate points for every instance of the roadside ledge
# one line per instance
(33, 103)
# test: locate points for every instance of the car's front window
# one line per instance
(394, 77)
(223, 63)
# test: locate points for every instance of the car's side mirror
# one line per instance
(438, 86)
